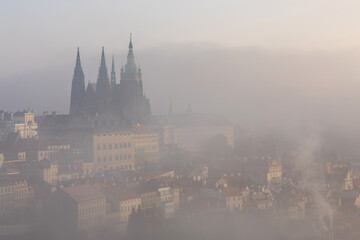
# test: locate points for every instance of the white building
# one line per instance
(22, 122)
(167, 201)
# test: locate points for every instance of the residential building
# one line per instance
(22, 122)
(233, 198)
(167, 201)
(122, 199)
(6, 195)
(146, 146)
(81, 206)
(23, 194)
(274, 173)
(113, 149)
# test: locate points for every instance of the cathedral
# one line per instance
(107, 96)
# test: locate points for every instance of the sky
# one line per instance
(267, 58)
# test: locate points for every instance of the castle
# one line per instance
(125, 99)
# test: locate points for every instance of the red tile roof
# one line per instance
(83, 192)
(231, 191)
(121, 192)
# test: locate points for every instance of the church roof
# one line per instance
(91, 86)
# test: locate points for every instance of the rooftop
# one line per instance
(231, 191)
(83, 192)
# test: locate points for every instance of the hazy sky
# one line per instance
(35, 32)
(280, 57)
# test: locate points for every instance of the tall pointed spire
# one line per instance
(77, 87)
(171, 109)
(103, 85)
(102, 63)
(189, 109)
(113, 74)
(130, 57)
(130, 44)
(78, 62)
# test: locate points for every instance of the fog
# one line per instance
(252, 87)
(297, 105)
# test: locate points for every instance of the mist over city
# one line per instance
(157, 120)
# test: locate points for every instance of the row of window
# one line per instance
(117, 158)
(6, 199)
(118, 167)
(91, 210)
(146, 148)
(116, 134)
(147, 141)
(233, 198)
(116, 146)
(90, 202)
(6, 189)
(127, 209)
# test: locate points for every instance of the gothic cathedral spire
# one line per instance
(103, 86)
(77, 87)
(113, 74)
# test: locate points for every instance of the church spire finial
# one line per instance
(113, 74)
(77, 87)
(131, 44)
(113, 64)
(78, 62)
(171, 109)
(189, 109)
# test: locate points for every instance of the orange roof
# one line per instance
(141, 129)
(83, 192)
(121, 192)
(231, 191)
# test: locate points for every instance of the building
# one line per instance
(274, 173)
(191, 131)
(150, 199)
(48, 172)
(167, 201)
(146, 143)
(107, 96)
(6, 195)
(233, 198)
(22, 122)
(122, 199)
(23, 194)
(81, 206)
(262, 201)
(15, 193)
(113, 149)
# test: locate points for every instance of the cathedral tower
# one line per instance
(113, 74)
(134, 104)
(77, 88)
(103, 87)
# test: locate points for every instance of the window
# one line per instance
(116, 146)
(116, 157)
(104, 159)
(129, 156)
(110, 158)
(104, 147)
(129, 144)
(98, 147)
(110, 146)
